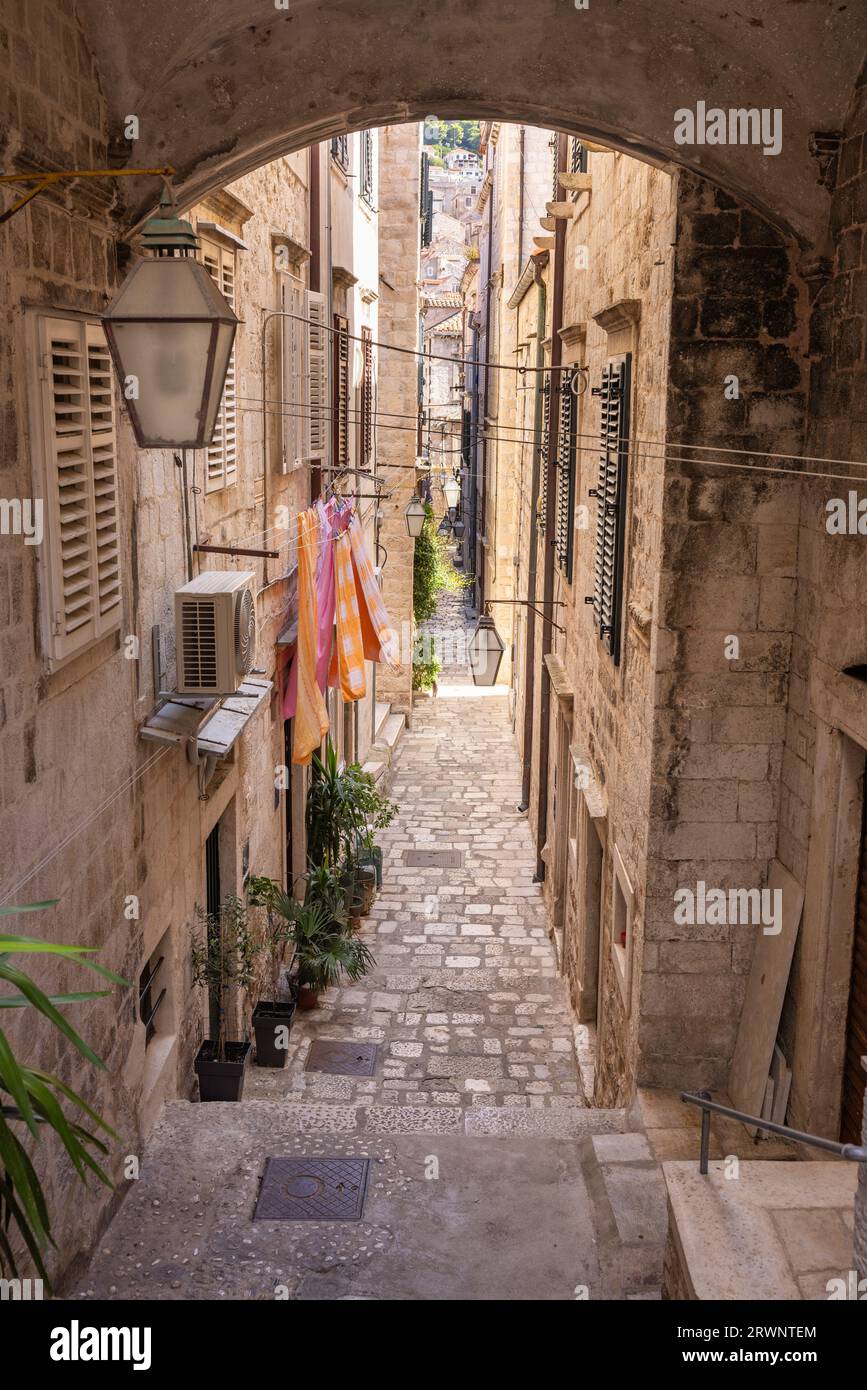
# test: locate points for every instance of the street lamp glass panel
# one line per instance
(170, 332)
(459, 528)
(485, 649)
(452, 492)
(415, 518)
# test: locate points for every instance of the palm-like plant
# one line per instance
(325, 951)
(33, 1097)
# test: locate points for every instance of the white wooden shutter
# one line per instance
(221, 455)
(317, 367)
(82, 542)
(295, 412)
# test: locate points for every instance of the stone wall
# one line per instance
(400, 148)
(129, 879)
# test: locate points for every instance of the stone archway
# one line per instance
(221, 86)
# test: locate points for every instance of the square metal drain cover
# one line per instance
(312, 1189)
(341, 1058)
(433, 858)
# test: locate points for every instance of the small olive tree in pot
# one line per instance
(223, 959)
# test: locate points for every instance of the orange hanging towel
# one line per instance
(349, 646)
(311, 716)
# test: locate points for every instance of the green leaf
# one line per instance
(13, 1081)
(45, 1007)
(10, 1002)
(28, 907)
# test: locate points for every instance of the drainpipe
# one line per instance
(548, 585)
(521, 204)
(530, 655)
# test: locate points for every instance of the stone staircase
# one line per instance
(389, 731)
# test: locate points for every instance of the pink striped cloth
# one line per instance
(373, 611)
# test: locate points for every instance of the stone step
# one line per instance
(389, 730)
(478, 1121)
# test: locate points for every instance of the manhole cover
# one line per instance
(433, 858)
(312, 1189)
(341, 1058)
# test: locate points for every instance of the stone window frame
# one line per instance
(622, 910)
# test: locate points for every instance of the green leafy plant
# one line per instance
(432, 571)
(325, 949)
(266, 893)
(34, 1097)
(425, 673)
(223, 961)
(344, 808)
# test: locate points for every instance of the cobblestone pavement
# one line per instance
(465, 1002)
(489, 1177)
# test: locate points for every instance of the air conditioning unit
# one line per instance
(215, 632)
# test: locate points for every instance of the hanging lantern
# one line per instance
(170, 332)
(486, 649)
(459, 527)
(452, 492)
(445, 526)
(416, 516)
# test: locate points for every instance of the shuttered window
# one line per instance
(340, 393)
(367, 167)
(577, 156)
(295, 406)
(340, 151)
(856, 1019)
(610, 495)
(544, 451)
(79, 462)
(221, 455)
(366, 411)
(425, 202)
(317, 377)
(563, 525)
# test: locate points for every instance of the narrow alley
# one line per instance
(477, 1187)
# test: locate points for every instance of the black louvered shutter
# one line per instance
(542, 512)
(610, 497)
(563, 529)
(425, 202)
(340, 394)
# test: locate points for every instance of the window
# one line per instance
(151, 994)
(563, 527)
(340, 152)
(294, 401)
(340, 394)
(367, 167)
(577, 156)
(366, 411)
(542, 505)
(78, 480)
(621, 938)
(221, 455)
(317, 377)
(425, 207)
(610, 497)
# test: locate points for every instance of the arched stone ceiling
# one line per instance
(221, 86)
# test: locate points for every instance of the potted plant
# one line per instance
(344, 809)
(272, 1017)
(324, 952)
(223, 963)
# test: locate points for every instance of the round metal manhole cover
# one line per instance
(304, 1185)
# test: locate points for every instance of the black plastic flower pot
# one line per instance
(272, 1023)
(221, 1080)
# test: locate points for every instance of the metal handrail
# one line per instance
(856, 1153)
